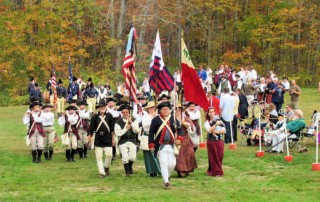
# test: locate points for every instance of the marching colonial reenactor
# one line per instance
(74, 90)
(150, 161)
(162, 137)
(62, 96)
(101, 136)
(83, 128)
(91, 95)
(36, 93)
(115, 115)
(186, 160)
(127, 130)
(138, 111)
(50, 89)
(48, 125)
(36, 132)
(69, 121)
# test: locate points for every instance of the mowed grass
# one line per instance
(246, 178)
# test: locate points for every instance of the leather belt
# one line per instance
(48, 126)
(167, 142)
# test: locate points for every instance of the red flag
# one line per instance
(128, 69)
(193, 90)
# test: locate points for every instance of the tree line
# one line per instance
(278, 35)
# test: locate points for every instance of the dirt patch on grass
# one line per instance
(93, 189)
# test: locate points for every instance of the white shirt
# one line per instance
(220, 91)
(178, 78)
(137, 116)
(227, 107)
(119, 132)
(253, 74)
(286, 85)
(146, 122)
(194, 115)
(36, 118)
(146, 86)
(113, 112)
(47, 118)
(72, 118)
(239, 84)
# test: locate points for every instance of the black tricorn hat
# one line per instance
(110, 98)
(74, 78)
(60, 81)
(71, 108)
(89, 79)
(124, 106)
(101, 103)
(36, 84)
(82, 102)
(118, 96)
(162, 104)
(46, 105)
(141, 97)
(122, 102)
(35, 103)
(70, 101)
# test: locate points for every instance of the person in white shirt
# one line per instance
(36, 132)
(48, 125)
(227, 107)
(102, 92)
(253, 74)
(174, 95)
(83, 127)
(69, 121)
(194, 115)
(224, 84)
(239, 81)
(146, 88)
(286, 84)
(241, 73)
(127, 129)
(276, 134)
(115, 116)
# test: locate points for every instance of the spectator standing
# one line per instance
(294, 93)
(227, 112)
(202, 73)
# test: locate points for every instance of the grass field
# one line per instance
(246, 178)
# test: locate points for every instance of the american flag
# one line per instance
(160, 78)
(128, 69)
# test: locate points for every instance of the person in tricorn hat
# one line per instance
(74, 90)
(48, 125)
(162, 137)
(101, 137)
(151, 162)
(69, 121)
(127, 130)
(62, 97)
(36, 132)
(91, 94)
(36, 93)
(110, 101)
(224, 83)
(83, 127)
(164, 95)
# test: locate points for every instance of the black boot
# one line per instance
(34, 156)
(80, 151)
(127, 169)
(46, 155)
(68, 155)
(50, 154)
(73, 151)
(85, 149)
(114, 152)
(39, 155)
(130, 167)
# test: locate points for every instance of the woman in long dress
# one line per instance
(151, 163)
(186, 160)
(215, 146)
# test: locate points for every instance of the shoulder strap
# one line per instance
(164, 123)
